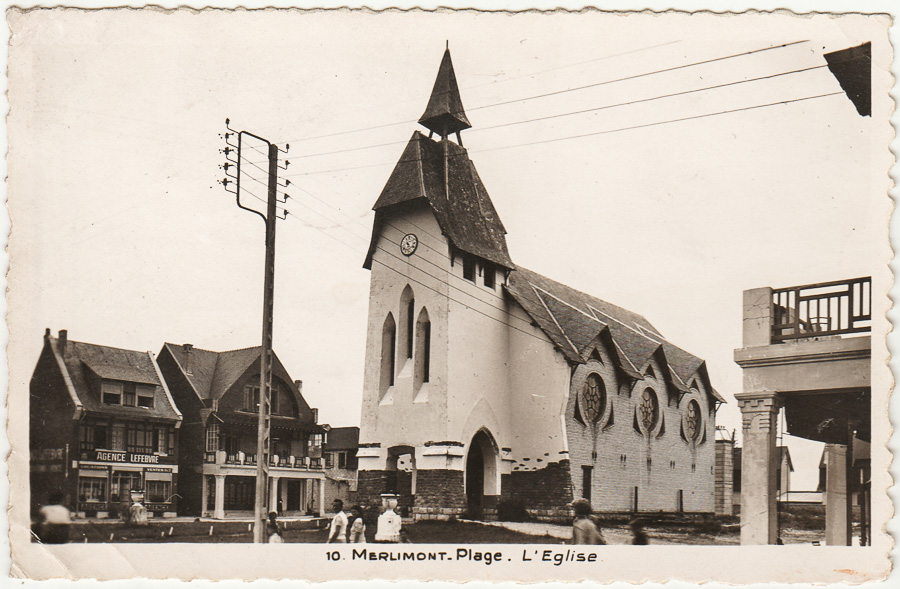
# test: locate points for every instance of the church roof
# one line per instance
(572, 320)
(444, 113)
(462, 207)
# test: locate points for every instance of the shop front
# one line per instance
(109, 482)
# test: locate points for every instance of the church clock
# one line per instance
(408, 244)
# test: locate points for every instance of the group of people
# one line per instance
(586, 528)
(347, 528)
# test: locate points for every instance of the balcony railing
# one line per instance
(824, 309)
(241, 459)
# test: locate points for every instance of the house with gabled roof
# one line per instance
(218, 393)
(103, 429)
(491, 383)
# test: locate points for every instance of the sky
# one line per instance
(122, 234)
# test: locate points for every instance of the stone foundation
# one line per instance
(545, 493)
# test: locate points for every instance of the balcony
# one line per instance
(819, 310)
(241, 459)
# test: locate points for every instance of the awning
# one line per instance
(97, 474)
(158, 476)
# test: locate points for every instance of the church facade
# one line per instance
(488, 384)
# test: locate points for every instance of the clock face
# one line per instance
(408, 244)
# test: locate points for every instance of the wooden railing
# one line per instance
(827, 308)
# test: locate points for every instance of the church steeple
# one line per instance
(445, 114)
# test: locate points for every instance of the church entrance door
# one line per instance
(481, 472)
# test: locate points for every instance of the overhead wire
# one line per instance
(579, 136)
(573, 89)
(577, 112)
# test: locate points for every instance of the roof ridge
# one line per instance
(105, 347)
(213, 351)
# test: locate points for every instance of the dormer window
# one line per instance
(489, 275)
(111, 393)
(145, 397)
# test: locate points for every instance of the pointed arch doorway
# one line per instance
(482, 472)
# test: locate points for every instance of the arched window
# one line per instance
(693, 421)
(407, 322)
(593, 398)
(649, 410)
(388, 351)
(423, 349)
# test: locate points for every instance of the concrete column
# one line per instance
(759, 515)
(273, 493)
(757, 317)
(204, 494)
(837, 500)
(219, 512)
(284, 494)
(322, 497)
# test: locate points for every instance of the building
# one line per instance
(496, 384)
(218, 394)
(807, 350)
(104, 429)
(341, 464)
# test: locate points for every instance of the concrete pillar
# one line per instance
(322, 497)
(757, 317)
(759, 515)
(837, 500)
(273, 493)
(219, 512)
(284, 494)
(204, 494)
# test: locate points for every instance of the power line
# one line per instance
(706, 61)
(577, 112)
(585, 134)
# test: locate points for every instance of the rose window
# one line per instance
(593, 397)
(692, 420)
(649, 410)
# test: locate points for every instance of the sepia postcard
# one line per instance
(549, 286)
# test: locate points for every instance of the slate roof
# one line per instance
(342, 438)
(444, 113)
(468, 217)
(213, 373)
(81, 359)
(572, 320)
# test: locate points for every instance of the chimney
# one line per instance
(63, 337)
(299, 384)
(188, 356)
(315, 412)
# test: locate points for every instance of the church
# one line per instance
(488, 385)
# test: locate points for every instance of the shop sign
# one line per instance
(107, 456)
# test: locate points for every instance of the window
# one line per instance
(693, 421)
(315, 445)
(162, 440)
(489, 275)
(129, 389)
(423, 349)
(649, 410)
(123, 482)
(407, 320)
(329, 459)
(212, 437)
(593, 397)
(100, 432)
(251, 399)
(117, 440)
(145, 396)
(140, 438)
(342, 460)
(86, 437)
(388, 349)
(112, 393)
(158, 491)
(91, 489)
(468, 267)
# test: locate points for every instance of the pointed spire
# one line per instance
(444, 113)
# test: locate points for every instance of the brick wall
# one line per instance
(545, 492)
(440, 494)
(724, 504)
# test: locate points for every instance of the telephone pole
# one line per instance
(263, 438)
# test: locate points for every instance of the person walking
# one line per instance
(639, 537)
(338, 532)
(357, 533)
(273, 529)
(584, 529)
(54, 521)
